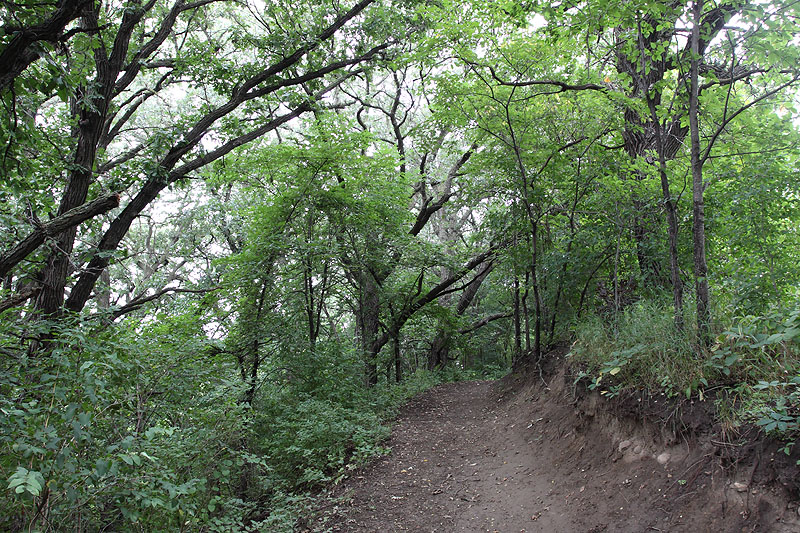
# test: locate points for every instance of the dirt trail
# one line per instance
(466, 458)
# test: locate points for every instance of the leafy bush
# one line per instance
(313, 438)
(143, 429)
(102, 434)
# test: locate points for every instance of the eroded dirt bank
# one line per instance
(475, 456)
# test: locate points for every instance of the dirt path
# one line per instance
(465, 458)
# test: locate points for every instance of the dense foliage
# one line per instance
(235, 236)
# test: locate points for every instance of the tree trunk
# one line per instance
(440, 347)
(440, 350)
(517, 321)
(698, 207)
(537, 299)
(672, 220)
(526, 313)
(369, 325)
(90, 109)
(398, 360)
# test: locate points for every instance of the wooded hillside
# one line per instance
(236, 235)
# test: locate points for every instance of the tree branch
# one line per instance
(742, 109)
(20, 53)
(19, 298)
(439, 290)
(428, 209)
(138, 302)
(71, 218)
(119, 227)
(483, 321)
(562, 86)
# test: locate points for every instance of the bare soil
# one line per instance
(524, 457)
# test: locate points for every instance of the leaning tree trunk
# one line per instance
(90, 110)
(440, 347)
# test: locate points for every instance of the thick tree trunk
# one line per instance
(642, 135)
(440, 350)
(90, 110)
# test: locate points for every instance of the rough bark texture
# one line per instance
(90, 109)
(368, 319)
(21, 51)
(113, 77)
(644, 134)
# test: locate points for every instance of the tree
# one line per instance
(111, 99)
(699, 156)
(652, 82)
(29, 26)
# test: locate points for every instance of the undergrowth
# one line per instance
(753, 364)
(150, 433)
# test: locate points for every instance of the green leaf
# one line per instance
(101, 467)
(24, 480)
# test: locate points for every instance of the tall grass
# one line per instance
(644, 349)
(753, 363)
(639, 349)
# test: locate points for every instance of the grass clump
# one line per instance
(753, 365)
(641, 349)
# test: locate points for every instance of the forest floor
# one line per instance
(498, 457)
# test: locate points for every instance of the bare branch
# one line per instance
(742, 109)
(483, 321)
(428, 208)
(562, 86)
(19, 298)
(136, 303)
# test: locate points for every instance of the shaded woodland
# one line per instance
(235, 236)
